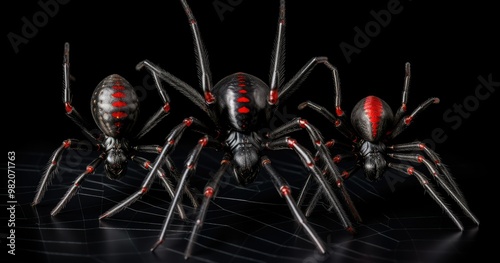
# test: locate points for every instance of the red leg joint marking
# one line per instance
(166, 107)
(188, 121)
(339, 111)
(273, 97)
(285, 190)
(291, 142)
(209, 192)
(89, 169)
(303, 123)
(68, 107)
(209, 97)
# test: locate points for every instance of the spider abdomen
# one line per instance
(115, 106)
(371, 117)
(242, 101)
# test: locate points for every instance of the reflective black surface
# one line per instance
(251, 224)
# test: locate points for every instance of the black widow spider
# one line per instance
(371, 130)
(239, 106)
(115, 109)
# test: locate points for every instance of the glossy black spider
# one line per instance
(115, 109)
(240, 105)
(372, 128)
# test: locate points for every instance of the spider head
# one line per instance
(245, 164)
(245, 149)
(116, 162)
(374, 162)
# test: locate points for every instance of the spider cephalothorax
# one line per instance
(371, 131)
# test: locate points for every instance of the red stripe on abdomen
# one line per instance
(373, 110)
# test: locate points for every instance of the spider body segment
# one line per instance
(115, 110)
(371, 130)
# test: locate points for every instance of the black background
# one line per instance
(449, 45)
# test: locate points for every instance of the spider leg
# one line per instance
(146, 185)
(307, 159)
(278, 58)
(71, 112)
(204, 73)
(314, 200)
(444, 184)
(77, 183)
(171, 168)
(322, 153)
(407, 169)
(53, 165)
(419, 146)
(401, 110)
(343, 127)
(179, 85)
(169, 146)
(188, 191)
(336, 159)
(161, 113)
(404, 122)
(209, 193)
(189, 168)
(285, 192)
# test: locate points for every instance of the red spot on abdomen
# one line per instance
(118, 87)
(243, 99)
(243, 110)
(119, 104)
(119, 114)
(119, 95)
(373, 110)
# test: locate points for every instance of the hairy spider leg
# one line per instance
(422, 179)
(77, 184)
(163, 157)
(285, 192)
(161, 113)
(209, 193)
(146, 185)
(419, 146)
(53, 166)
(308, 161)
(189, 169)
(323, 154)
